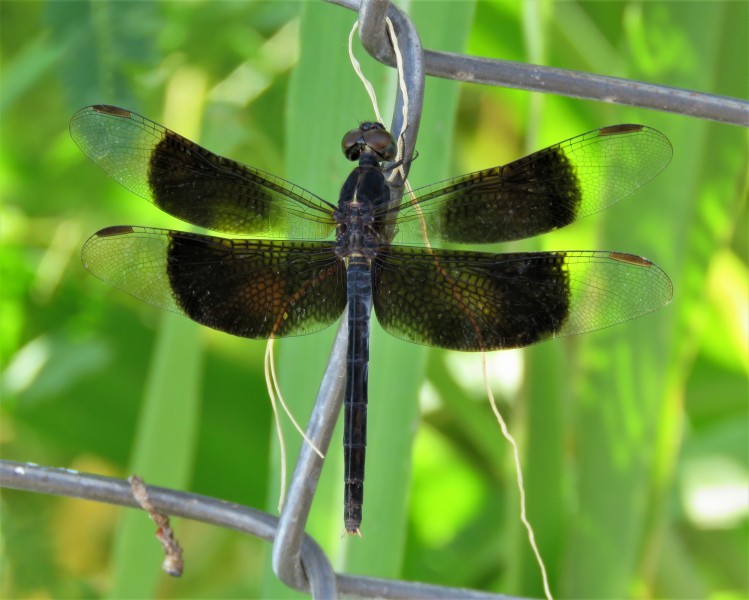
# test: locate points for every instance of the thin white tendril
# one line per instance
(287, 410)
(274, 391)
(404, 104)
(404, 112)
(519, 471)
(269, 382)
(357, 69)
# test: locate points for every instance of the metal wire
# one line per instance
(287, 546)
(297, 559)
(550, 80)
(323, 582)
(287, 563)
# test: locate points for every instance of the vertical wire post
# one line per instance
(288, 564)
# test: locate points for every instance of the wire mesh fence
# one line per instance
(297, 559)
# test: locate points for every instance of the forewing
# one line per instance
(538, 193)
(194, 184)
(246, 287)
(481, 301)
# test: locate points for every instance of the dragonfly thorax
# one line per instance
(355, 234)
(363, 193)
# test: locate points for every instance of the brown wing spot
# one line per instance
(617, 129)
(632, 259)
(279, 308)
(114, 230)
(111, 110)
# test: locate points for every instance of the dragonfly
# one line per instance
(305, 260)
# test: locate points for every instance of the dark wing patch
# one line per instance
(538, 193)
(481, 301)
(194, 184)
(249, 288)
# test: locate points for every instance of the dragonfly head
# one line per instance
(369, 137)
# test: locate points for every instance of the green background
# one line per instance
(634, 440)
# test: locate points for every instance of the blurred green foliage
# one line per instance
(634, 440)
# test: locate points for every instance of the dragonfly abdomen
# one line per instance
(359, 290)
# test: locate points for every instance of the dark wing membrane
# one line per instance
(249, 288)
(481, 301)
(538, 193)
(193, 184)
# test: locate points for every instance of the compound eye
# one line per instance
(350, 144)
(381, 143)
